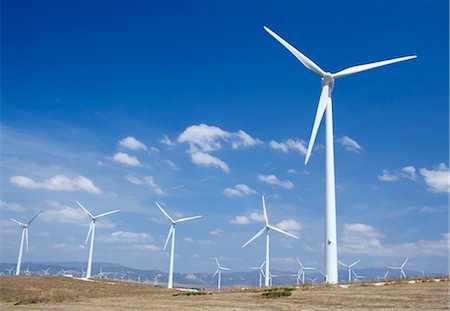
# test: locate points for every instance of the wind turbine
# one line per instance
(383, 278)
(325, 104)
(219, 274)
(357, 277)
(45, 271)
(301, 271)
(261, 272)
(10, 270)
(349, 268)
(91, 232)
(402, 272)
(271, 276)
(24, 237)
(313, 280)
(172, 233)
(266, 229)
(156, 279)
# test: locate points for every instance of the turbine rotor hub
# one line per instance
(328, 79)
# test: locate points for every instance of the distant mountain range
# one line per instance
(201, 280)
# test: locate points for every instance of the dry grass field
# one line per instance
(60, 293)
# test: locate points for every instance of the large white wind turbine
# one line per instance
(219, 274)
(172, 233)
(325, 104)
(261, 272)
(349, 268)
(24, 237)
(402, 272)
(266, 229)
(91, 233)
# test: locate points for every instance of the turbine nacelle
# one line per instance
(328, 79)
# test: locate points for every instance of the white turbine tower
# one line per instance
(266, 229)
(301, 271)
(402, 272)
(261, 272)
(24, 237)
(349, 268)
(325, 104)
(91, 233)
(172, 233)
(219, 274)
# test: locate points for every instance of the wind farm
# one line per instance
(170, 156)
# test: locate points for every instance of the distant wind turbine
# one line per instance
(172, 233)
(266, 229)
(325, 104)
(219, 274)
(383, 278)
(261, 272)
(402, 272)
(91, 233)
(357, 277)
(24, 237)
(349, 268)
(301, 271)
(10, 270)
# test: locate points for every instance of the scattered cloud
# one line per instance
(256, 217)
(127, 237)
(409, 172)
(65, 214)
(349, 144)
(240, 190)
(133, 180)
(188, 240)
(289, 225)
(240, 220)
(292, 171)
(204, 139)
(132, 143)
(274, 181)
(166, 141)
(56, 183)
(172, 165)
(126, 159)
(387, 176)
(216, 232)
(363, 229)
(438, 179)
(148, 181)
(288, 145)
(12, 207)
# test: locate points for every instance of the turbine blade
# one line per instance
(107, 213)
(89, 232)
(217, 262)
(34, 217)
(301, 57)
(254, 237)
(343, 264)
(187, 218)
(227, 269)
(17, 222)
(299, 262)
(323, 101)
(215, 273)
(355, 263)
(405, 262)
(263, 264)
(265, 210)
(164, 212)
(168, 237)
(359, 68)
(26, 237)
(394, 268)
(85, 209)
(284, 232)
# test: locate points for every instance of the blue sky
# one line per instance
(119, 104)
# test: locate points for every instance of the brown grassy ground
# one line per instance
(60, 293)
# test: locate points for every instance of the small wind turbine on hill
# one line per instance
(402, 272)
(266, 229)
(301, 271)
(91, 233)
(383, 278)
(349, 268)
(261, 272)
(219, 274)
(325, 104)
(24, 237)
(172, 233)
(357, 277)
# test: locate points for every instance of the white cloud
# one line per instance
(292, 171)
(256, 217)
(132, 143)
(205, 159)
(289, 225)
(437, 180)
(288, 145)
(126, 159)
(12, 207)
(274, 181)
(349, 144)
(240, 190)
(147, 247)
(204, 139)
(127, 237)
(188, 240)
(363, 229)
(387, 176)
(409, 172)
(148, 181)
(216, 232)
(240, 220)
(166, 141)
(172, 165)
(56, 183)
(65, 214)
